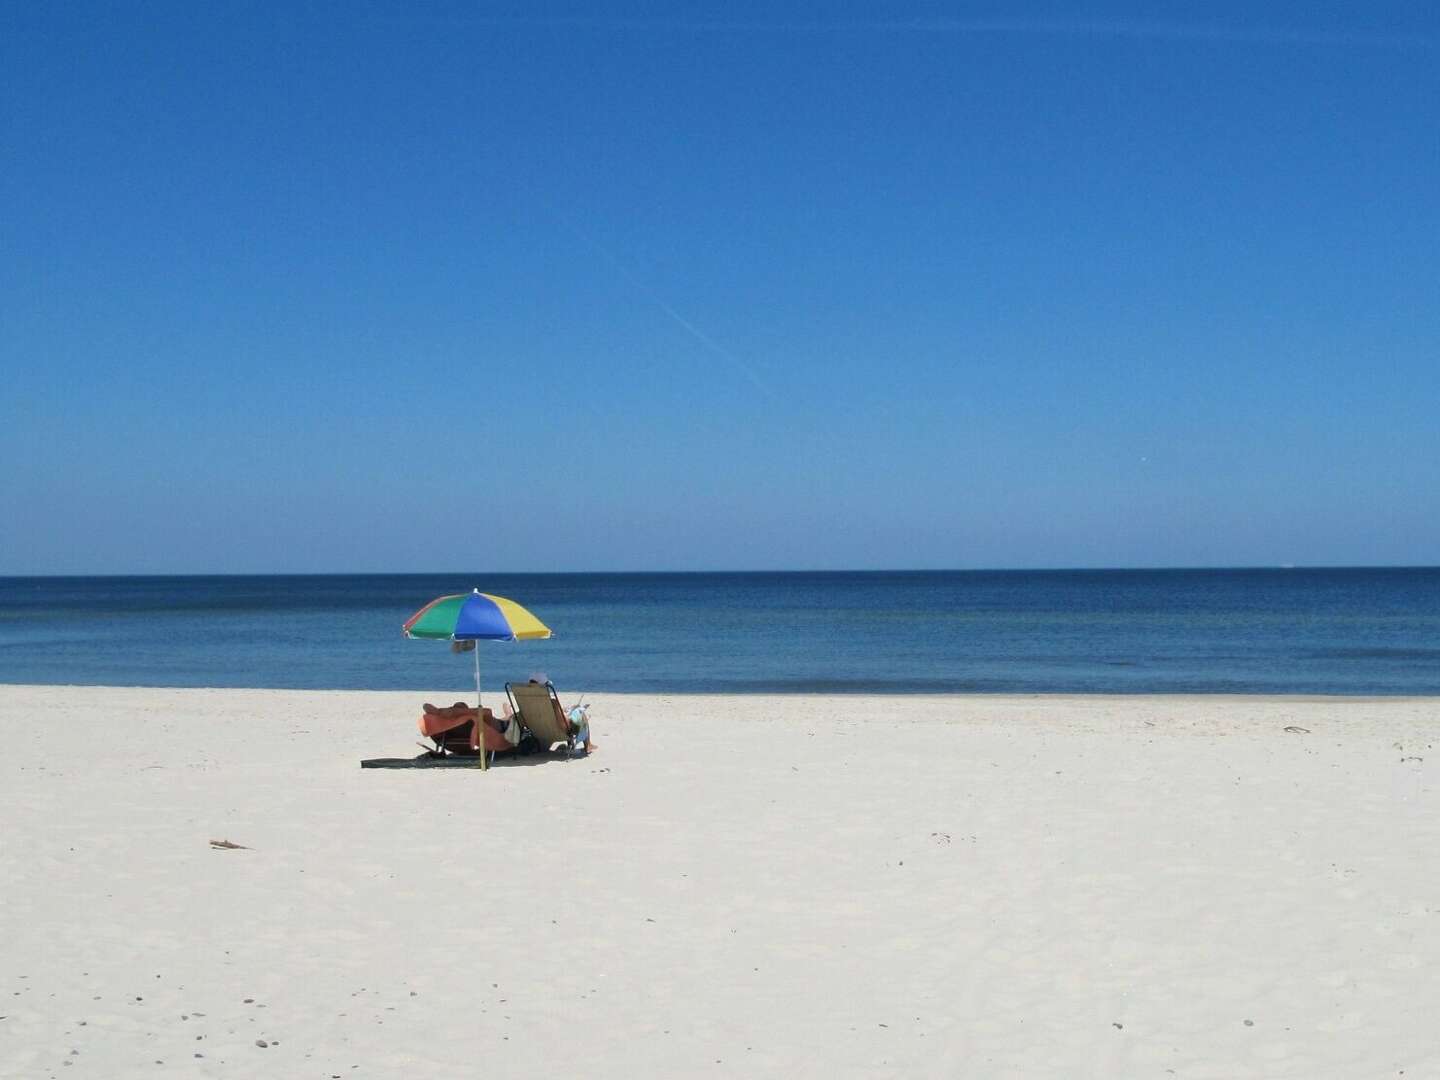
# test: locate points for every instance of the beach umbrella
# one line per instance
(471, 617)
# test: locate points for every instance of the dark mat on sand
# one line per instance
(422, 762)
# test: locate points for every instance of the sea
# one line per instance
(1262, 631)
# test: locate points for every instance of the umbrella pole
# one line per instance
(480, 711)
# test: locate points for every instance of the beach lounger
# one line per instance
(455, 730)
(538, 707)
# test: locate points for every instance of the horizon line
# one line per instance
(698, 573)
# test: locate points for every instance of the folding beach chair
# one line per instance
(457, 730)
(538, 707)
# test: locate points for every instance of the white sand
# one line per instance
(977, 886)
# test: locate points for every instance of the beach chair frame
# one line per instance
(537, 706)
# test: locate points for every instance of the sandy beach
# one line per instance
(731, 886)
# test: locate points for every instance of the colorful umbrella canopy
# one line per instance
(475, 616)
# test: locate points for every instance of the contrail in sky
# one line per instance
(685, 324)
(1138, 29)
(1164, 31)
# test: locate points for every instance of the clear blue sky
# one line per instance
(396, 287)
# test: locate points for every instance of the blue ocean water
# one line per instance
(1302, 631)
